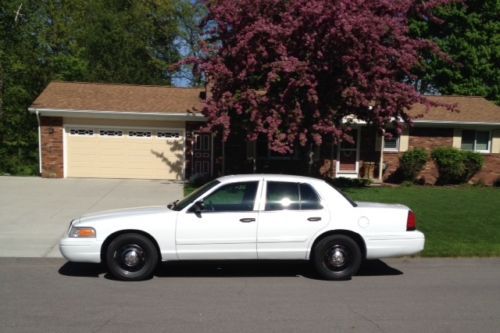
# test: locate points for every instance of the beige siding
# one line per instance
(495, 142)
(457, 138)
(125, 157)
(404, 140)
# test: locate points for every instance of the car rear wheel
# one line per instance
(131, 257)
(336, 257)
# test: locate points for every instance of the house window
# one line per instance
(110, 133)
(140, 134)
(478, 141)
(168, 135)
(81, 131)
(391, 144)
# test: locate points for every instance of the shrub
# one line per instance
(343, 182)
(497, 182)
(412, 162)
(456, 166)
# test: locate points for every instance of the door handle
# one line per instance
(247, 220)
(314, 219)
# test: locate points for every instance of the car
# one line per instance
(247, 217)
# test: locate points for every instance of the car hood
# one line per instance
(120, 213)
(364, 204)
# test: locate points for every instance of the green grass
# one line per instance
(457, 221)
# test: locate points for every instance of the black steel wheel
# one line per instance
(131, 257)
(336, 257)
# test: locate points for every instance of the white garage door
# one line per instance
(141, 153)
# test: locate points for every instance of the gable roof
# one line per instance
(470, 109)
(76, 96)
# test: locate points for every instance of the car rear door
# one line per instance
(292, 214)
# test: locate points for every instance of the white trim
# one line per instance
(119, 115)
(446, 122)
(65, 151)
(40, 169)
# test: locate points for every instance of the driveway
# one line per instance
(35, 212)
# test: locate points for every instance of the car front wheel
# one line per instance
(336, 257)
(131, 257)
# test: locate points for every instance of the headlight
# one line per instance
(81, 232)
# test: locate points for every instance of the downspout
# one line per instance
(381, 162)
(39, 142)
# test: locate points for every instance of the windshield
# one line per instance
(194, 195)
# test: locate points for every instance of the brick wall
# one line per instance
(490, 171)
(430, 138)
(52, 147)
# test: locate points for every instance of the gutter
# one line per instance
(39, 142)
(181, 116)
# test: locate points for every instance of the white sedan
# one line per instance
(247, 217)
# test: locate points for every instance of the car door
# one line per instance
(291, 216)
(223, 227)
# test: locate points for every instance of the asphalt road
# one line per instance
(397, 295)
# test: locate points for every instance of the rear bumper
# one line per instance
(408, 243)
(80, 250)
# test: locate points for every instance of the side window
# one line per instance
(236, 197)
(282, 195)
(291, 196)
(309, 199)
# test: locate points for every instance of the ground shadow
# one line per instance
(82, 269)
(196, 269)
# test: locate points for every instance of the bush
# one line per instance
(343, 182)
(456, 166)
(497, 182)
(412, 162)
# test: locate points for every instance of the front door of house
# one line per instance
(347, 161)
(202, 154)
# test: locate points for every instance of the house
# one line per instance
(152, 132)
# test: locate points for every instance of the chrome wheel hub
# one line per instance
(131, 257)
(337, 258)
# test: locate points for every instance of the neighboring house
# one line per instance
(150, 132)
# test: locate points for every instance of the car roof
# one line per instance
(276, 177)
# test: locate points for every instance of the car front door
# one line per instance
(292, 215)
(222, 225)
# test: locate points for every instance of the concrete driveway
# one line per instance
(35, 212)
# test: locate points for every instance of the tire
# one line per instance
(337, 257)
(131, 257)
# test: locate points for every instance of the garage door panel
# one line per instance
(125, 157)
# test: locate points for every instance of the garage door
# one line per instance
(142, 153)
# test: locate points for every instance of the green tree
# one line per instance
(470, 35)
(119, 41)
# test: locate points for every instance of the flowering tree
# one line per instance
(295, 70)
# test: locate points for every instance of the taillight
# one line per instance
(411, 222)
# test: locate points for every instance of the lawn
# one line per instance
(457, 221)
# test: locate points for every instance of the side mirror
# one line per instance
(198, 207)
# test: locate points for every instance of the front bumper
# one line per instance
(81, 249)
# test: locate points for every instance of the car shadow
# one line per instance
(209, 269)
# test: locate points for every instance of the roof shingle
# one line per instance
(470, 109)
(159, 99)
(118, 98)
